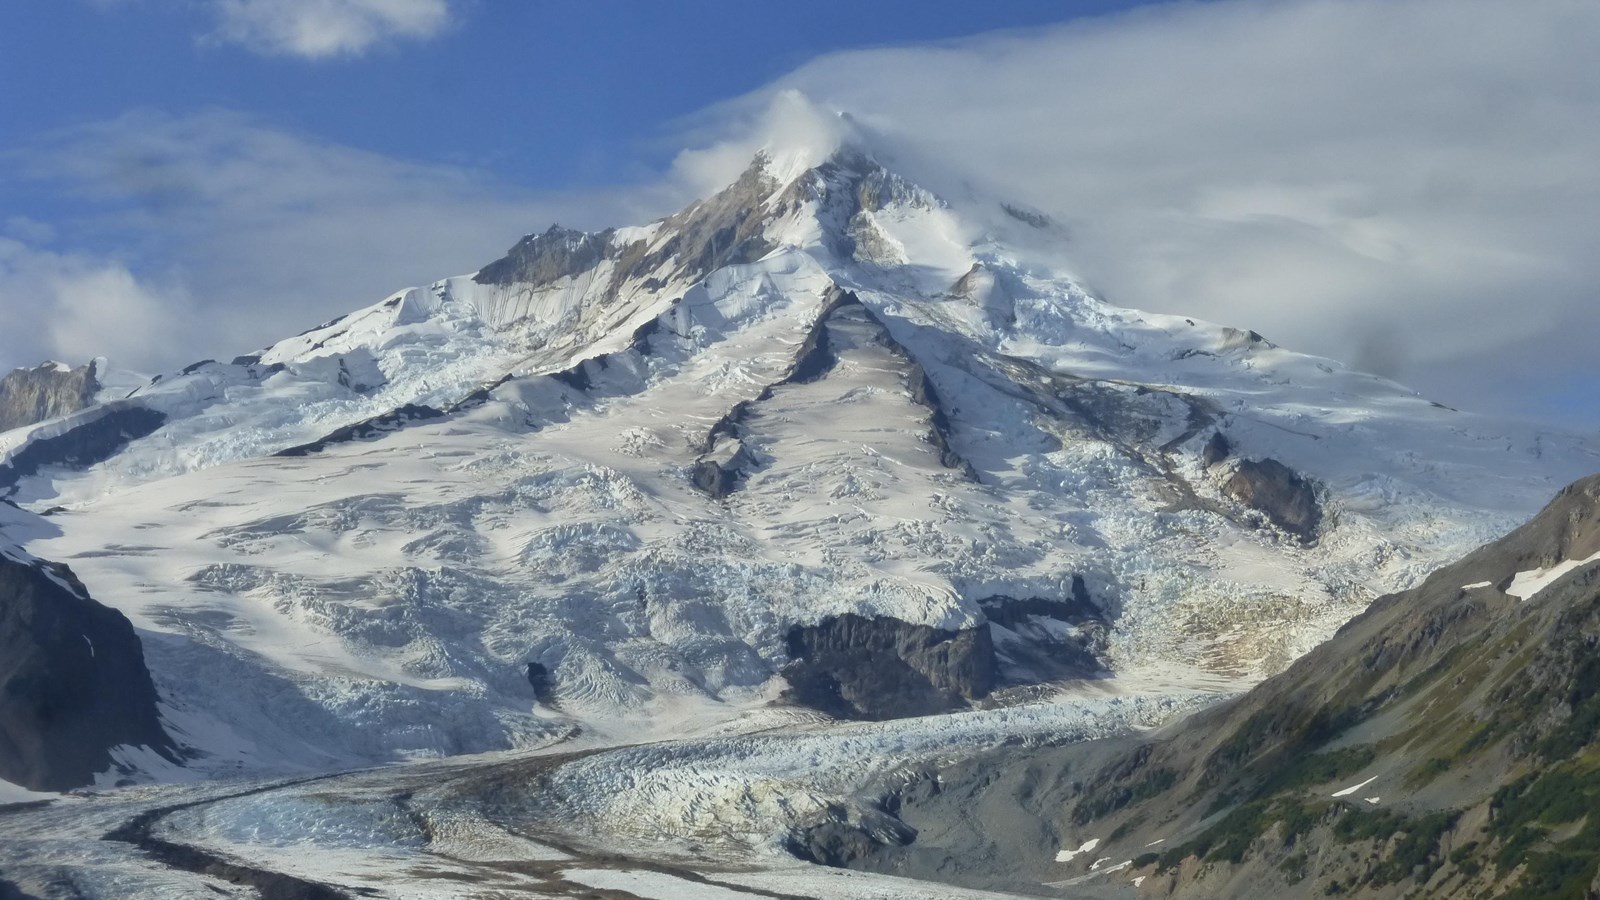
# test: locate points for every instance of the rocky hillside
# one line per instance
(1445, 743)
(74, 691)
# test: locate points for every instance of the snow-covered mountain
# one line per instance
(822, 436)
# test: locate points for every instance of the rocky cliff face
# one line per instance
(1446, 743)
(1288, 500)
(883, 668)
(73, 683)
(53, 389)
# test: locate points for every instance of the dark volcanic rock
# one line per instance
(923, 392)
(1216, 450)
(1040, 651)
(73, 682)
(719, 477)
(721, 231)
(367, 429)
(816, 357)
(539, 679)
(92, 441)
(839, 839)
(714, 479)
(884, 668)
(1288, 500)
(28, 396)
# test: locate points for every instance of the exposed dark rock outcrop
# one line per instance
(1027, 216)
(716, 479)
(1010, 611)
(73, 683)
(1033, 646)
(1216, 449)
(923, 392)
(639, 341)
(815, 358)
(94, 440)
(724, 462)
(367, 429)
(722, 231)
(28, 396)
(846, 190)
(983, 287)
(544, 258)
(575, 377)
(842, 836)
(479, 396)
(1285, 497)
(1137, 419)
(539, 679)
(882, 668)
(580, 378)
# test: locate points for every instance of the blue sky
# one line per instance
(1405, 185)
(547, 94)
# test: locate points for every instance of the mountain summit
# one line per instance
(818, 439)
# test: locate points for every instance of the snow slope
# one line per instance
(637, 459)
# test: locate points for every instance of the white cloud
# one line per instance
(788, 122)
(248, 233)
(318, 29)
(74, 307)
(1408, 185)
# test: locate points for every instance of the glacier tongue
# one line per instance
(601, 482)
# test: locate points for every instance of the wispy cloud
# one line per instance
(231, 234)
(1408, 185)
(318, 29)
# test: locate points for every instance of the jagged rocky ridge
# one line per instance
(1445, 743)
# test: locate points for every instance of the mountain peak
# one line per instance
(796, 134)
(835, 139)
